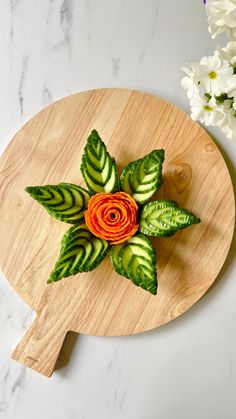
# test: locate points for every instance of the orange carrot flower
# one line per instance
(113, 217)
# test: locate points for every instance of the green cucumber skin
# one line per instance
(92, 171)
(146, 273)
(164, 213)
(133, 183)
(65, 264)
(65, 202)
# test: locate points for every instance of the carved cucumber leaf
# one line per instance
(65, 202)
(142, 178)
(98, 168)
(80, 251)
(163, 218)
(136, 260)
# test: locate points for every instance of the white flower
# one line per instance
(232, 121)
(228, 132)
(206, 111)
(191, 81)
(227, 122)
(230, 87)
(212, 75)
(211, 89)
(216, 74)
(228, 53)
(222, 17)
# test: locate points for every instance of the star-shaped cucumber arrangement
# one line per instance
(112, 215)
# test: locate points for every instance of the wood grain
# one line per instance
(48, 149)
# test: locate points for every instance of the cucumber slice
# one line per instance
(80, 251)
(65, 202)
(142, 178)
(163, 218)
(136, 260)
(98, 168)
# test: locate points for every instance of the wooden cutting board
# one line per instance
(48, 150)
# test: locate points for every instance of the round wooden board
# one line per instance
(48, 150)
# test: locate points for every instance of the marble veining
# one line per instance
(18, 382)
(187, 369)
(25, 62)
(66, 19)
(46, 96)
(115, 65)
(12, 375)
(12, 383)
(51, 5)
(13, 5)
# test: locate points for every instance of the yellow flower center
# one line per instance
(208, 108)
(213, 75)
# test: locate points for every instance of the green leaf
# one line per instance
(221, 98)
(98, 167)
(142, 178)
(164, 218)
(207, 97)
(81, 251)
(65, 202)
(136, 260)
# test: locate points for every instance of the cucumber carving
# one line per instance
(81, 251)
(163, 218)
(142, 178)
(136, 260)
(98, 168)
(111, 218)
(65, 201)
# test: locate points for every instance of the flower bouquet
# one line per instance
(211, 84)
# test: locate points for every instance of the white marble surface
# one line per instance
(187, 369)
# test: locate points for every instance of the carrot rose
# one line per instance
(113, 217)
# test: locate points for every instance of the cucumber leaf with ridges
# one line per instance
(65, 202)
(80, 251)
(142, 178)
(163, 218)
(98, 167)
(136, 260)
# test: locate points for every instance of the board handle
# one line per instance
(40, 347)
